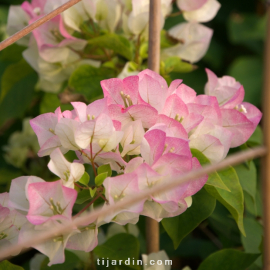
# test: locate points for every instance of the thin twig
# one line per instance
(79, 186)
(28, 29)
(175, 14)
(92, 160)
(127, 202)
(211, 236)
(86, 207)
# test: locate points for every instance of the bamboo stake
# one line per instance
(266, 159)
(127, 202)
(152, 226)
(28, 29)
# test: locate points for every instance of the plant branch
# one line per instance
(28, 29)
(86, 207)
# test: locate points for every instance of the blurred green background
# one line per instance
(237, 49)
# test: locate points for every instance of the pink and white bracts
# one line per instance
(145, 131)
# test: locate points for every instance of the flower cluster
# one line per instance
(142, 130)
(72, 39)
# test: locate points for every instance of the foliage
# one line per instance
(236, 50)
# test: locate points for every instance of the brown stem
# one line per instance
(97, 153)
(92, 160)
(210, 235)
(175, 14)
(86, 207)
(79, 186)
(152, 226)
(138, 50)
(92, 259)
(28, 29)
(85, 154)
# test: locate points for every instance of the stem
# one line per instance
(101, 196)
(92, 260)
(97, 153)
(93, 25)
(210, 235)
(107, 54)
(92, 160)
(86, 207)
(85, 154)
(138, 49)
(79, 186)
(175, 14)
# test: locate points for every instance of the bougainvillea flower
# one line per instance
(122, 92)
(85, 237)
(230, 95)
(100, 131)
(17, 20)
(152, 89)
(18, 195)
(147, 114)
(4, 198)
(11, 222)
(195, 40)
(44, 126)
(65, 130)
(34, 9)
(161, 255)
(238, 124)
(227, 90)
(173, 127)
(53, 248)
(54, 35)
(49, 199)
(68, 172)
(212, 140)
(133, 135)
(205, 13)
(116, 189)
(92, 111)
(188, 5)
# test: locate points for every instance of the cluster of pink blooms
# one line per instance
(145, 130)
(57, 48)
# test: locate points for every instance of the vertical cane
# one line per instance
(266, 159)
(152, 226)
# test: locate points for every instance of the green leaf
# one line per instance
(254, 234)
(249, 71)
(21, 69)
(247, 29)
(179, 227)
(233, 200)
(86, 80)
(16, 95)
(105, 168)
(92, 192)
(85, 179)
(256, 138)
(165, 40)
(248, 178)
(175, 64)
(214, 178)
(118, 44)
(228, 259)
(71, 261)
(12, 54)
(100, 178)
(119, 247)
(6, 265)
(50, 102)
(83, 196)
